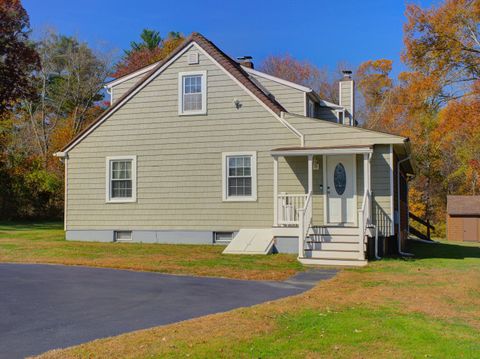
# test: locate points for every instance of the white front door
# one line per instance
(341, 188)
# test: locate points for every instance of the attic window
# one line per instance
(192, 93)
(193, 58)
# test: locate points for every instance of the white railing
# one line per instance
(288, 207)
(364, 220)
(305, 215)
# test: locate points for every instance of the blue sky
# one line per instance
(322, 32)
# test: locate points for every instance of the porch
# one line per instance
(332, 217)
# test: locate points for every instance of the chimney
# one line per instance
(346, 97)
(246, 61)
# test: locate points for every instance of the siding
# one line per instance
(382, 211)
(291, 99)
(179, 159)
(123, 87)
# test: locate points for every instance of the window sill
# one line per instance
(239, 199)
(123, 200)
(193, 113)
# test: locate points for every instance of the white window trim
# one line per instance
(225, 196)
(108, 173)
(203, 111)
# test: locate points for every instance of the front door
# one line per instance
(341, 187)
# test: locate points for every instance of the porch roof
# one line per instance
(320, 150)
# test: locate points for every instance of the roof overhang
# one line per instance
(307, 151)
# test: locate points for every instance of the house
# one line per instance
(200, 148)
(463, 218)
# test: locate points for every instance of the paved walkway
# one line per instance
(44, 307)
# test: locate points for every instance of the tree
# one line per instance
(67, 88)
(375, 85)
(152, 49)
(18, 57)
(304, 73)
(443, 43)
(151, 40)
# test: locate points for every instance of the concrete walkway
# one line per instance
(44, 307)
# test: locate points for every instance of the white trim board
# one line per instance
(131, 75)
(181, 75)
(253, 164)
(392, 193)
(326, 151)
(108, 160)
(276, 79)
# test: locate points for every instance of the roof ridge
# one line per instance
(212, 50)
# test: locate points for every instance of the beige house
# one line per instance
(202, 149)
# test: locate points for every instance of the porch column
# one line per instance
(310, 173)
(367, 179)
(275, 191)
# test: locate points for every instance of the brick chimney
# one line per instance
(346, 97)
(246, 61)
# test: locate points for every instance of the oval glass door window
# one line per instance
(340, 179)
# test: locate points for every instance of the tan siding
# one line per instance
(179, 159)
(380, 166)
(120, 89)
(291, 99)
(325, 133)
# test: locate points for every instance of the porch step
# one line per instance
(334, 230)
(332, 262)
(326, 254)
(333, 246)
(319, 238)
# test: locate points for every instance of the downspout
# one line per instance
(399, 239)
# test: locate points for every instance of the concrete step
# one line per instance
(332, 262)
(325, 254)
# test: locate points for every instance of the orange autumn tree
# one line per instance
(152, 49)
(436, 103)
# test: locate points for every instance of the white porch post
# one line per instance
(367, 181)
(275, 191)
(310, 173)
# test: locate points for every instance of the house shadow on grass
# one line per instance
(444, 250)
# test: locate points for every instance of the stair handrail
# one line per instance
(364, 219)
(305, 216)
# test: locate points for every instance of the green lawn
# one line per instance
(427, 307)
(45, 243)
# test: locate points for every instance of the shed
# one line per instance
(463, 218)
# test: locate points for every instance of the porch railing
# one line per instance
(364, 220)
(288, 207)
(305, 215)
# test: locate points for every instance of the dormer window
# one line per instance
(310, 108)
(192, 93)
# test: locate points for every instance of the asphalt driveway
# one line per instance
(44, 307)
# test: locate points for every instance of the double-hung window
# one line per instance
(192, 93)
(121, 179)
(239, 176)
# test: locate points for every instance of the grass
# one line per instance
(45, 243)
(427, 307)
